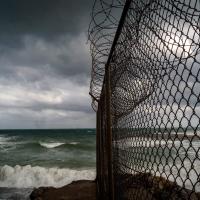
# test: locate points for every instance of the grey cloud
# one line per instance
(25, 118)
(44, 64)
(68, 57)
(39, 106)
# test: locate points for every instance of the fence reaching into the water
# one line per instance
(145, 88)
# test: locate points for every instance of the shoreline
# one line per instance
(77, 190)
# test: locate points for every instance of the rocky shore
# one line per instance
(77, 190)
(141, 186)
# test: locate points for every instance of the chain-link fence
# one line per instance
(148, 101)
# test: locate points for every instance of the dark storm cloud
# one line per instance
(47, 19)
(33, 31)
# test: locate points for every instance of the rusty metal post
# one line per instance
(97, 152)
(109, 132)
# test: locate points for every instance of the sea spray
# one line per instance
(29, 177)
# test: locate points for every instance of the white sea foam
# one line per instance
(3, 139)
(7, 143)
(50, 145)
(29, 177)
(6, 140)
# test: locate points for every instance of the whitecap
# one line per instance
(51, 144)
(4, 139)
(74, 143)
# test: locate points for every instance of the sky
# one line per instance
(45, 64)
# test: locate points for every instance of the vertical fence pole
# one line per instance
(109, 133)
(97, 152)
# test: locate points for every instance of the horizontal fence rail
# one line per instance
(145, 87)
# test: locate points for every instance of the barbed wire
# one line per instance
(105, 18)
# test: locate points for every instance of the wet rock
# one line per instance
(78, 190)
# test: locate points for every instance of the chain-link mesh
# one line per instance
(155, 101)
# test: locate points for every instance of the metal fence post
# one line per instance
(109, 133)
(97, 152)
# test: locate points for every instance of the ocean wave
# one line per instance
(29, 177)
(51, 145)
(7, 143)
(4, 140)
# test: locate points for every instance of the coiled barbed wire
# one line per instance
(105, 18)
(135, 54)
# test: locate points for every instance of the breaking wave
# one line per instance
(29, 177)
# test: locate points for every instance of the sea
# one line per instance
(34, 158)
